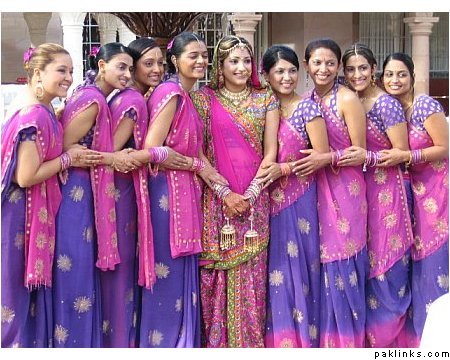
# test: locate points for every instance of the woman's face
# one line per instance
(150, 68)
(237, 69)
(323, 66)
(396, 78)
(283, 77)
(57, 76)
(358, 72)
(117, 71)
(193, 61)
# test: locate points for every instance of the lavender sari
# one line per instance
(342, 209)
(430, 226)
(120, 293)
(86, 231)
(170, 311)
(27, 256)
(233, 282)
(389, 233)
(293, 304)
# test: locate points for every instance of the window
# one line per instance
(439, 47)
(91, 38)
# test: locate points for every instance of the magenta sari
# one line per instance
(342, 209)
(233, 282)
(28, 232)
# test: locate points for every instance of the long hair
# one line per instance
(177, 46)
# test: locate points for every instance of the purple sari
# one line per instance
(170, 314)
(293, 304)
(342, 209)
(86, 218)
(119, 287)
(389, 233)
(430, 226)
(27, 256)
(233, 282)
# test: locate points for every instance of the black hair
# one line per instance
(326, 43)
(106, 53)
(405, 59)
(141, 46)
(359, 49)
(177, 46)
(278, 52)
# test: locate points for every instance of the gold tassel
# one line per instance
(227, 236)
(251, 237)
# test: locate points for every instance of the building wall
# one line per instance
(15, 41)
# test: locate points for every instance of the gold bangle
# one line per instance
(410, 159)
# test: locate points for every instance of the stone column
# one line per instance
(125, 34)
(244, 25)
(72, 26)
(37, 26)
(107, 26)
(420, 27)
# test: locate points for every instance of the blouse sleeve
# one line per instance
(28, 134)
(309, 110)
(391, 112)
(272, 101)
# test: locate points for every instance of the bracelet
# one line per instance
(336, 156)
(66, 161)
(417, 156)
(253, 191)
(285, 169)
(410, 159)
(158, 154)
(197, 165)
(221, 191)
(372, 158)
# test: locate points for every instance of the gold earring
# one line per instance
(373, 81)
(102, 76)
(221, 79)
(39, 90)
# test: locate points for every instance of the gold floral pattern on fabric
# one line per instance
(395, 242)
(297, 315)
(19, 240)
(441, 226)
(304, 226)
(372, 302)
(277, 195)
(313, 332)
(385, 197)
(38, 267)
(438, 165)
(292, 249)
(276, 278)
(164, 203)
(354, 188)
(353, 279)
(339, 283)
(162, 271)
(430, 205)
(61, 334)
(41, 240)
(286, 343)
(88, 234)
(380, 176)
(8, 315)
(390, 220)
(64, 263)
(442, 281)
(43, 215)
(114, 239)
(350, 247)
(419, 188)
(82, 304)
(14, 196)
(343, 225)
(76, 193)
(155, 337)
(418, 243)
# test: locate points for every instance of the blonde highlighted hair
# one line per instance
(41, 56)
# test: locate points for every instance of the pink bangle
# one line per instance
(65, 160)
(285, 169)
(197, 165)
(158, 154)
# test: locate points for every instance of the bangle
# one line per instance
(410, 159)
(336, 156)
(221, 191)
(285, 169)
(65, 160)
(197, 165)
(253, 191)
(158, 154)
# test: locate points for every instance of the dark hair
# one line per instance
(359, 49)
(176, 47)
(326, 43)
(278, 52)
(405, 59)
(141, 46)
(106, 53)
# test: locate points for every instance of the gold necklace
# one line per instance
(325, 93)
(235, 98)
(286, 109)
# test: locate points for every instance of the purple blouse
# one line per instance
(386, 112)
(424, 106)
(306, 111)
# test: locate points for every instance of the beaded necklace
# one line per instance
(235, 98)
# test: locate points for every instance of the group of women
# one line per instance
(146, 214)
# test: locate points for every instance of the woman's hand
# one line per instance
(393, 157)
(81, 156)
(210, 176)
(124, 162)
(353, 156)
(311, 163)
(235, 205)
(268, 173)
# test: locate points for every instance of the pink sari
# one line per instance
(102, 176)
(43, 199)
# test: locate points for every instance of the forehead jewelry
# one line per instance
(240, 44)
